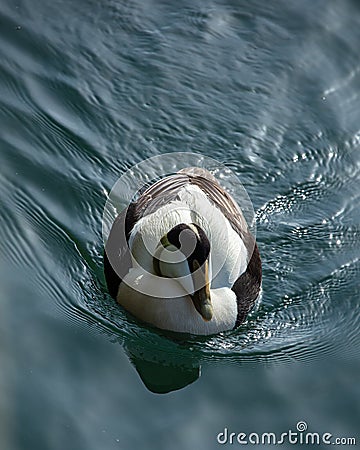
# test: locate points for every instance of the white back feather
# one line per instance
(228, 254)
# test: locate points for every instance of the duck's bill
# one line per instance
(201, 297)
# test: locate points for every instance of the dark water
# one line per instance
(87, 89)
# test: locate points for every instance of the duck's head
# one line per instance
(183, 253)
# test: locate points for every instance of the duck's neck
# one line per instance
(169, 262)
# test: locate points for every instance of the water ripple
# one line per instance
(82, 101)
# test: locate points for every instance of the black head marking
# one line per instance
(192, 241)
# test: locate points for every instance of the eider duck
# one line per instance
(181, 257)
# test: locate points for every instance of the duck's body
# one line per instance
(225, 256)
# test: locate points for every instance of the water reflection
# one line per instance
(164, 375)
(165, 362)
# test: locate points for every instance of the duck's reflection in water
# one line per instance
(161, 378)
(162, 373)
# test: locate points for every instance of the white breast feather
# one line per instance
(176, 313)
